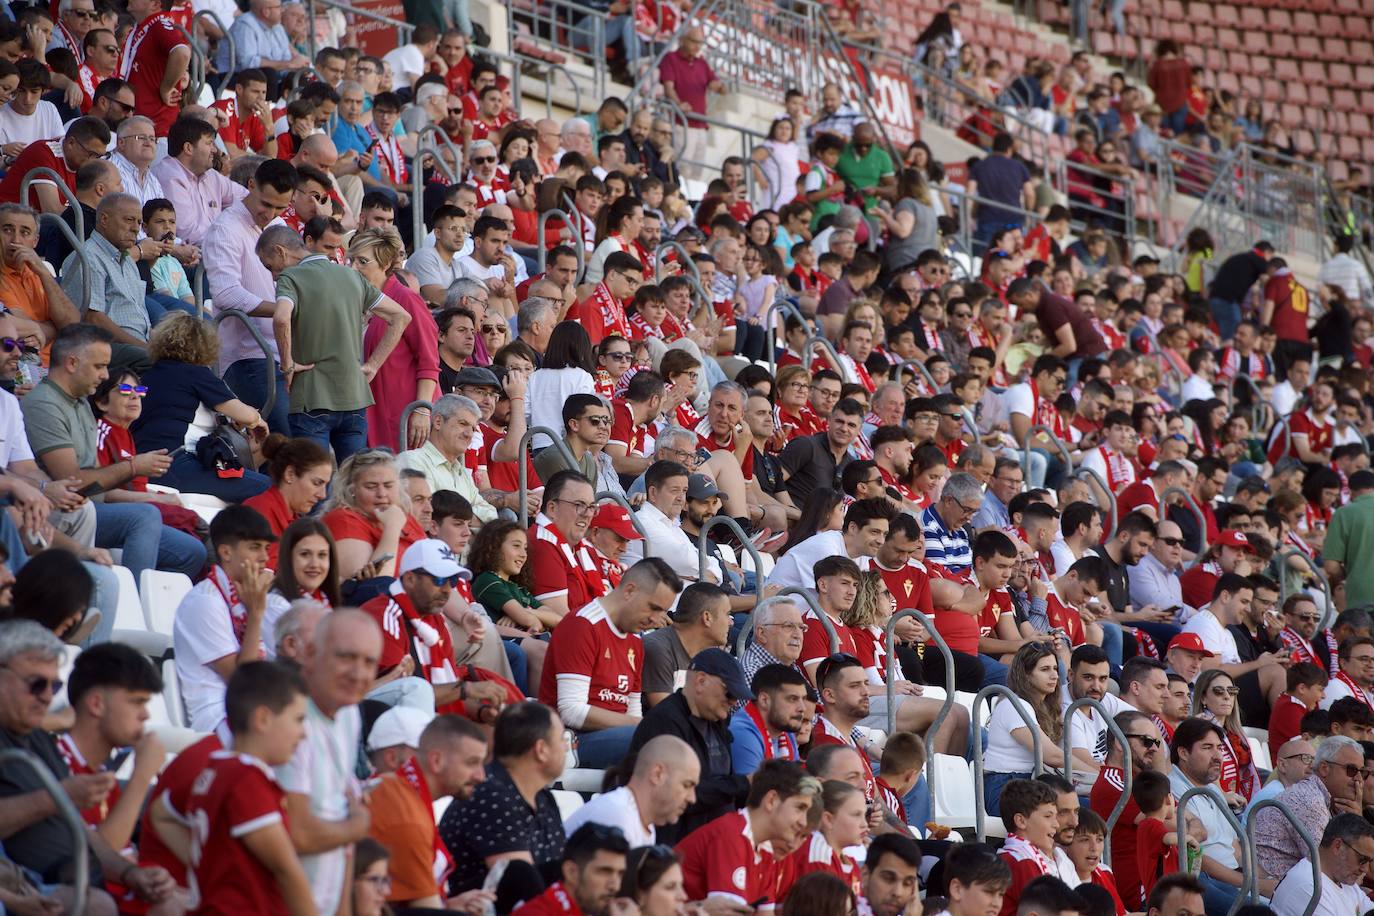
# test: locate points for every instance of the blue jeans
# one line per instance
(159, 306)
(1227, 315)
(105, 596)
(247, 378)
(188, 475)
(1111, 643)
(993, 784)
(1176, 121)
(1054, 468)
(606, 748)
(343, 430)
(137, 530)
(519, 664)
(985, 229)
(13, 543)
(994, 672)
(1216, 896)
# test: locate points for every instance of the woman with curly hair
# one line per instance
(182, 398)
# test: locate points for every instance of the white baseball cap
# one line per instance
(398, 725)
(434, 557)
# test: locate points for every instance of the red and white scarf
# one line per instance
(1300, 650)
(1022, 848)
(443, 861)
(579, 560)
(612, 312)
(1046, 415)
(1231, 365)
(238, 613)
(1356, 690)
(642, 330)
(393, 159)
(1119, 470)
(931, 333)
(788, 750)
(429, 645)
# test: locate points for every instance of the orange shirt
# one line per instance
(22, 291)
(401, 824)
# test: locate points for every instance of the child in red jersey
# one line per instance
(1086, 854)
(1157, 840)
(1306, 687)
(844, 824)
(1031, 815)
(242, 858)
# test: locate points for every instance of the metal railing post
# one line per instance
(770, 324)
(1247, 851)
(1193, 507)
(403, 434)
(976, 726)
(228, 38)
(261, 341)
(1328, 612)
(198, 288)
(67, 194)
(81, 865)
(1049, 434)
(717, 521)
(684, 258)
(921, 369)
(1122, 742)
(1082, 472)
(1313, 856)
(541, 231)
(78, 249)
(555, 441)
(829, 348)
(890, 644)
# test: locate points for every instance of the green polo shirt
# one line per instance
(332, 304)
(866, 172)
(1349, 541)
(54, 420)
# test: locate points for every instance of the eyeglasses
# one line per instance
(789, 626)
(1351, 769)
(619, 356)
(443, 581)
(596, 419)
(1362, 860)
(108, 49)
(1305, 758)
(1147, 740)
(101, 153)
(37, 685)
(141, 138)
(483, 160)
(963, 508)
(493, 328)
(126, 389)
(9, 344)
(963, 315)
(1220, 691)
(1173, 542)
(1307, 618)
(578, 506)
(84, 14)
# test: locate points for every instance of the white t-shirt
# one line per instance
(1063, 557)
(14, 443)
(1294, 893)
(1214, 636)
(616, 808)
(202, 632)
(548, 390)
(322, 770)
(44, 124)
(1004, 753)
(407, 63)
(1336, 689)
(1019, 399)
(1197, 388)
(1086, 727)
(797, 566)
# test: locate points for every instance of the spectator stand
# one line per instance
(74, 238)
(568, 28)
(1066, 744)
(1328, 606)
(1064, 454)
(749, 141)
(1252, 894)
(1355, 429)
(269, 364)
(725, 521)
(1247, 848)
(425, 148)
(81, 868)
(541, 232)
(890, 645)
(980, 702)
(1194, 508)
(770, 323)
(555, 441)
(403, 29)
(1095, 480)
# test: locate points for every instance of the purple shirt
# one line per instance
(238, 280)
(690, 77)
(198, 201)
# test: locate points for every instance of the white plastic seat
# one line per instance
(128, 611)
(161, 592)
(568, 802)
(952, 804)
(583, 779)
(1259, 751)
(172, 712)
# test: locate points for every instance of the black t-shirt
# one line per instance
(811, 464)
(448, 377)
(1118, 586)
(1236, 275)
(46, 846)
(1252, 647)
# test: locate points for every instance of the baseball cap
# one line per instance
(398, 725)
(614, 517)
(434, 557)
(699, 486)
(477, 377)
(1233, 538)
(1190, 642)
(723, 665)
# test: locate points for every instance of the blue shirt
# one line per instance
(254, 41)
(746, 744)
(355, 137)
(948, 548)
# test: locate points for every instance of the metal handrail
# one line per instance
(976, 726)
(271, 362)
(228, 37)
(67, 194)
(520, 61)
(1258, 404)
(830, 353)
(1121, 741)
(1280, 426)
(734, 526)
(921, 368)
(1247, 851)
(1058, 443)
(770, 324)
(970, 423)
(198, 288)
(199, 68)
(541, 229)
(1359, 436)
(619, 499)
(555, 441)
(808, 595)
(78, 249)
(1081, 472)
(637, 91)
(890, 644)
(422, 149)
(81, 878)
(1313, 856)
(1328, 612)
(684, 258)
(1193, 507)
(403, 434)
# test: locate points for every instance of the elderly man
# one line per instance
(687, 78)
(135, 152)
(778, 630)
(575, 137)
(1334, 787)
(1293, 763)
(947, 542)
(94, 180)
(74, 19)
(535, 320)
(1007, 480)
(1347, 846)
(662, 786)
(260, 43)
(453, 421)
(836, 115)
(199, 192)
(1154, 579)
(117, 290)
(356, 149)
(37, 837)
(319, 151)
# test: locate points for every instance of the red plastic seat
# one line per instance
(1368, 146)
(1173, 11)
(1344, 100)
(1330, 25)
(1281, 21)
(1309, 46)
(1297, 93)
(1228, 39)
(1366, 103)
(1359, 125)
(1318, 96)
(1225, 14)
(1282, 44)
(1313, 71)
(1252, 17)
(1257, 42)
(1290, 116)
(1304, 22)
(1349, 148)
(1340, 74)
(1303, 142)
(1242, 62)
(1357, 27)
(1336, 49)
(1286, 70)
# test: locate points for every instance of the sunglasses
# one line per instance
(38, 685)
(493, 328)
(830, 663)
(125, 388)
(1173, 542)
(596, 420)
(1351, 769)
(9, 344)
(483, 160)
(1147, 740)
(621, 356)
(443, 581)
(1220, 691)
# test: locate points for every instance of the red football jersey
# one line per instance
(721, 859)
(1105, 793)
(173, 791)
(1136, 496)
(144, 63)
(1302, 423)
(555, 900)
(1063, 616)
(816, 642)
(41, 154)
(1285, 722)
(587, 646)
(816, 854)
(998, 603)
(960, 630)
(245, 132)
(234, 796)
(505, 475)
(910, 585)
(71, 755)
(624, 430)
(1153, 860)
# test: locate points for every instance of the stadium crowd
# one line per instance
(466, 517)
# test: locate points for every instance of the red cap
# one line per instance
(614, 517)
(1190, 642)
(1237, 539)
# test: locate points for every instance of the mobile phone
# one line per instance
(1174, 609)
(384, 558)
(91, 489)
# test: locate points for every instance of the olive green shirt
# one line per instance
(332, 305)
(1350, 542)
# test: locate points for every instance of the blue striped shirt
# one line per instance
(949, 548)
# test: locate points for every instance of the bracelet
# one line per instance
(462, 690)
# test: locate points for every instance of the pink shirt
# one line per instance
(236, 279)
(198, 201)
(416, 357)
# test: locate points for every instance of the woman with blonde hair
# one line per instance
(366, 515)
(183, 399)
(912, 223)
(411, 372)
(1216, 698)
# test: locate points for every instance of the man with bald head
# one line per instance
(323, 800)
(547, 140)
(94, 180)
(1293, 763)
(1155, 579)
(663, 784)
(687, 78)
(318, 150)
(293, 632)
(639, 151)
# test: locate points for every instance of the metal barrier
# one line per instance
(1247, 851)
(890, 645)
(577, 245)
(417, 194)
(624, 503)
(555, 441)
(575, 30)
(717, 521)
(79, 249)
(684, 258)
(198, 70)
(403, 434)
(1328, 612)
(225, 35)
(1122, 742)
(1081, 473)
(1049, 434)
(81, 866)
(198, 288)
(830, 353)
(1193, 507)
(518, 64)
(771, 329)
(270, 360)
(921, 369)
(976, 729)
(971, 424)
(403, 29)
(1251, 887)
(67, 194)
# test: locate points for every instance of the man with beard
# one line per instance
(768, 487)
(843, 687)
(665, 487)
(890, 874)
(1066, 806)
(809, 462)
(703, 502)
(892, 451)
(592, 869)
(662, 786)
(1089, 673)
(699, 714)
(1128, 546)
(1145, 747)
(766, 727)
(448, 763)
